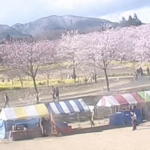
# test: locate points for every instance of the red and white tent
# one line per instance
(118, 100)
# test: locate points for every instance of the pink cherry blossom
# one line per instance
(28, 56)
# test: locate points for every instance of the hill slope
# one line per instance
(6, 30)
(53, 26)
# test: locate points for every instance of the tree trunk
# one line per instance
(95, 76)
(74, 70)
(107, 80)
(12, 84)
(61, 74)
(74, 74)
(21, 81)
(28, 78)
(48, 80)
(36, 90)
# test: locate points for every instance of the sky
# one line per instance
(24, 11)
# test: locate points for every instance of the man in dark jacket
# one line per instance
(57, 93)
(53, 90)
(6, 99)
(46, 126)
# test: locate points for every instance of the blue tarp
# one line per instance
(32, 123)
(124, 118)
(2, 129)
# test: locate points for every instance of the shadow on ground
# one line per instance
(97, 129)
(107, 127)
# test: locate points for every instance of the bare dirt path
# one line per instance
(114, 139)
(122, 86)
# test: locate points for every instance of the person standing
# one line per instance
(141, 71)
(137, 71)
(135, 76)
(6, 99)
(53, 93)
(57, 93)
(92, 118)
(133, 118)
(46, 126)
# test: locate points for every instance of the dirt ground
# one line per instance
(110, 139)
(124, 85)
(113, 139)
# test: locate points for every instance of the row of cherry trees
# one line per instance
(97, 49)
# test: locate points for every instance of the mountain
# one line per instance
(53, 26)
(6, 30)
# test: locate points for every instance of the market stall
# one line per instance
(23, 122)
(146, 109)
(65, 108)
(2, 129)
(145, 95)
(131, 99)
(120, 105)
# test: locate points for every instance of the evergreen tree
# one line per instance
(130, 21)
(136, 21)
(8, 38)
(123, 22)
(123, 19)
(135, 16)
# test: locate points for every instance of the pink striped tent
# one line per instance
(119, 100)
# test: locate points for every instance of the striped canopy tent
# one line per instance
(118, 100)
(145, 95)
(67, 107)
(38, 110)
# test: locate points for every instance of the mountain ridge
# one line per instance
(53, 26)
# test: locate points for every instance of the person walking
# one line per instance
(135, 76)
(57, 93)
(6, 99)
(92, 118)
(133, 118)
(53, 93)
(141, 71)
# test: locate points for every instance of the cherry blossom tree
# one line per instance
(47, 72)
(14, 75)
(134, 44)
(142, 42)
(70, 46)
(28, 57)
(95, 49)
(100, 49)
(126, 44)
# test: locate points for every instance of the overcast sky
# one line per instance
(23, 11)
